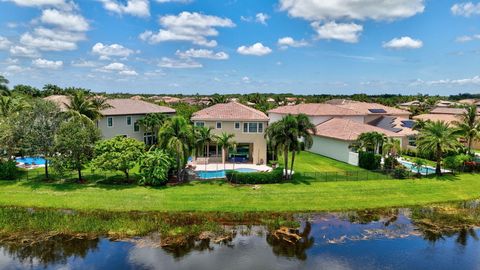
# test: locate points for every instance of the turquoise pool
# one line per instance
(220, 174)
(31, 160)
(425, 170)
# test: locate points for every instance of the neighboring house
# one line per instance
(339, 122)
(122, 117)
(410, 104)
(246, 124)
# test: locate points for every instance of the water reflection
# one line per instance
(441, 237)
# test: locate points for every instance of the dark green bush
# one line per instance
(400, 172)
(8, 170)
(390, 163)
(369, 160)
(275, 176)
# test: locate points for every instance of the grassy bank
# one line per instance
(221, 196)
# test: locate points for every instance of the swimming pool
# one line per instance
(424, 170)
(221, 174)
(31, 160)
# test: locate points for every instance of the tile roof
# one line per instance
(446, 110)
(365, 107)
(348, 130)
(314, 109)
(448, 118)
(131, 106)
(230, 111)
(119, 106)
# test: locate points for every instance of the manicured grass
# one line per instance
(310, 162)
(221, 196)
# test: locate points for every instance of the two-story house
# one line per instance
(245, 123)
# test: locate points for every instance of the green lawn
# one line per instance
(221, 196)
(310, 162)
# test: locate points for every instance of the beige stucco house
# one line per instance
(245, 123)
(122, 117)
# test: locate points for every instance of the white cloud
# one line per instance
(56, 42)
(62, 4)
(15, 69)
(449, 82)
(65, 20)
(202, 53)
(466, 9)
(178, 63)
(403, 43)
(4, 43)
(173, 1)
(257, 49)
(140, 8)
(21, 51)
(286, 42)
(83, 63)
(262, 18)
(113, 50)
(186, 26)
(346, 32)
(119, 68)
(246, 79)
(314, 10)
(468, 38)
(47, 64)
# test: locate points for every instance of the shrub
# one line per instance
(390, 162)
(274, 176)
(369, 160)
(401, 172)
(8, 170)
(154, 167)
(457, 162)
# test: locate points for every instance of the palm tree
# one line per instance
(3, 85)
(99, 103)
(10, 105)
(176, 135)
(371, 141)
(152, 122)
(305, 129)
(203, 139)
(225, 141)
(469, 126)
(82, 104)
(283, 134)
(437, 137)
(391, 147)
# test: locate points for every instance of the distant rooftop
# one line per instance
(448, 118)
(229, 111)
(314, 109)
(366, 108)
(348, 130)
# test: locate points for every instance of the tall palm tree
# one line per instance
(391, 147)
(81, 104)
(152, 122)
(437, 137)
(225, 141)
(284, 134)
(305, 129)
(176, 135)
(469, 126)
(99, 103)
(203, 139)
(371, 141)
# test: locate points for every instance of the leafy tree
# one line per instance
(26, 90)
(75, 142)
(225, 141)
(469, 126)
(52, 89)
(44, 120)
(3, 85)
(439, 138)
(118, 154)
(217, 98)
(203, 139)
(11, 105)
(155, 166)
(304, 130)
(176, 135)
(12, 134)
(185, 110)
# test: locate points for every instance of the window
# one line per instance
(129, 120)
(136, 127)
(245, 127)
(237, 125)
(149, 138)
(110, 121)
(199, 124)
(260, 127)
(252, 127)
(219, 125)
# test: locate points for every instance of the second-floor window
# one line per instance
(129, 120)
(110, 121)
(136, 127)
(237, 125)
(219, 125)
(252, 127)
(199, 124)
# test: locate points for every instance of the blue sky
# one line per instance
(233, 46)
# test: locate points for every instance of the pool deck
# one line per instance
(231, 166)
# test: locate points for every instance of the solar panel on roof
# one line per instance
(408, 123)
(377, 111)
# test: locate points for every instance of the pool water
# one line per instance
(425, 170)
(221, 173)
(31, 160)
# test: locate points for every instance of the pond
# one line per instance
(416, 238)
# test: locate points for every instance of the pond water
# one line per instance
(418, 238)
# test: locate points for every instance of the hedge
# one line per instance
(8, 170)
(369, 161)
(274, 176)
